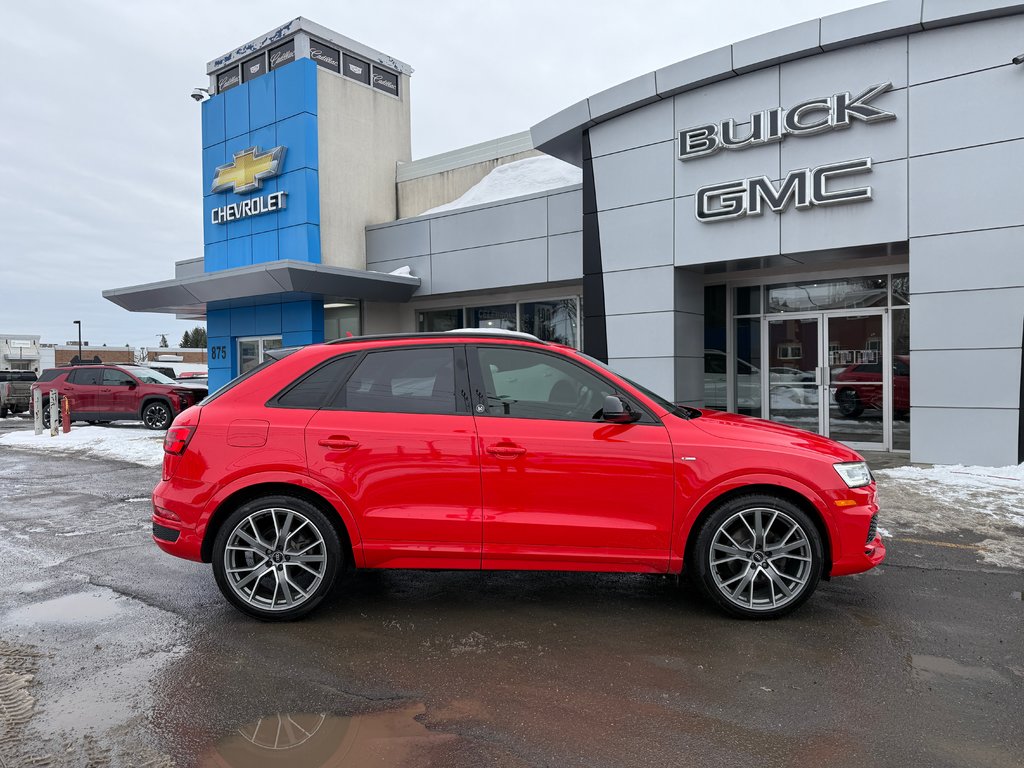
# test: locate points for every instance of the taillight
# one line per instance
(176, 439)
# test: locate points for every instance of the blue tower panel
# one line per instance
(295, 89)
(213, 121)
(236, 111)
(262, 109)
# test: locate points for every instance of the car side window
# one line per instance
(86, 376)
(532, 385)
(408, 380)
(49, 374)
(114, 378)
(314, 387)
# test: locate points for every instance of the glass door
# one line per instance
(793, 381)
(252, 351)
(858, 402)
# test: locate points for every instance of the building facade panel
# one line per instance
(652, 124)
(637, 236)
(968, 261)
(966, 378)
(634, 176)
(489, 226)
(524, 262)
(956, 50)
(975, 176)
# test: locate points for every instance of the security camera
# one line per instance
(200, 94)
(1018, 60)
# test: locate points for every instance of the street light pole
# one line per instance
(79, 324)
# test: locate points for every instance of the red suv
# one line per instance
(476, 450)
(103, 393)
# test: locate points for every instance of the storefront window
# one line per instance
(715, 395)
(900, 289)
(550, 320)
(499, 316)
(341, 319)
(748, 300)
(748, 366)
(845, 293)
(901, 380)
(440, 320)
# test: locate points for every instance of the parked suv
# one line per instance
(15, 391)
(497, 451)
(100, 394)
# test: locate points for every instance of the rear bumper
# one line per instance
(171, 531)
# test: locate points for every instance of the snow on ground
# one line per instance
(124, 442)
(521, 177)
(986, 502)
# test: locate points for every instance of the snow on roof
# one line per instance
(521, 177)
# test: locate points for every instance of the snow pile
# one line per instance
(521, 177)
(984, 501)
(131, 443)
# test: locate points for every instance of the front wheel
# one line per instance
(275, 558)
(157, 415)
(757, 557)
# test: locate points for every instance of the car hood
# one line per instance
(746, 429)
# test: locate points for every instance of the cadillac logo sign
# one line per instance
(246, 173)
(804, 188)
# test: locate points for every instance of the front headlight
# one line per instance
(854, 473)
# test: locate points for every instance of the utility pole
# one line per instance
(79, 324)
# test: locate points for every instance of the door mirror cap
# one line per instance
(615, 412)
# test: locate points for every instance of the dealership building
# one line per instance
(784, 227)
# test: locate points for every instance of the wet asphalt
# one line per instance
(112, 653)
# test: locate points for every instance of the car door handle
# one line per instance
(338, 443)
(506, 450)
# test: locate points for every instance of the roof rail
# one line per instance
(439, 335)
(495, 332)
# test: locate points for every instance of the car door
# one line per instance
(82, 389)
(398, 444)
(561, 487)
(118, 393)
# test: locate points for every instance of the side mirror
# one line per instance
(132, 385)
(614, 411)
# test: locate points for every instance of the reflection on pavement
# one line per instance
(317, 740)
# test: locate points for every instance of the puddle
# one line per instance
(384, 739)
(78, 608)
(933, 667)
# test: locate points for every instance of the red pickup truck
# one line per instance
(101, 393)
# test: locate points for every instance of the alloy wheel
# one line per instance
(761, 559)
(275, 559)
(156, 416)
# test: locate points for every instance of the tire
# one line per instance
(781, 582)
(157, 415)
(3, 411)
(46, 416)
(849, 404)
(241, 562)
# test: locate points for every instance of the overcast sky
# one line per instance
(101, 151)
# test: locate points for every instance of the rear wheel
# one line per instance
(849, 404)
(46, 416)
(276, 558)
(758, 557)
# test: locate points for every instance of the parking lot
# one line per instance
(112, 653)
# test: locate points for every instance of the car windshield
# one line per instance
(682, 411)
(149, 376)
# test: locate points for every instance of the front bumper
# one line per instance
(857, 546)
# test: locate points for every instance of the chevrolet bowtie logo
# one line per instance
(248, 170)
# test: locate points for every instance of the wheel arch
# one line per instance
(768, 489)
(272, 488)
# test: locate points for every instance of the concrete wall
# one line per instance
(528, 240)
(363, 134)
(421, 194)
